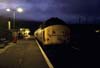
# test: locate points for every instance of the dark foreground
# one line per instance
(63, 56)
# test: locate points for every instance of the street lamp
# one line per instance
(8, 10)
(19, 10)
(14, 14)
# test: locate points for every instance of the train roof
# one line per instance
(53, 21)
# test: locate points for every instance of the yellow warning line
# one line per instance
(45, 56)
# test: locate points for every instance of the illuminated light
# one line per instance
(8, 10)
(97, 31)
(9, 25)
(27, 31)
(21, 29)
(19, 10)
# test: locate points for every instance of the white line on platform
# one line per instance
(45, 56)
(6, 47)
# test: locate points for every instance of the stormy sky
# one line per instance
(67, 10)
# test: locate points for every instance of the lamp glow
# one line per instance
(8, 10)
(19, 10)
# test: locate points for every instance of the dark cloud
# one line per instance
(43, 9)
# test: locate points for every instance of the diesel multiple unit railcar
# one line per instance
(53, 31)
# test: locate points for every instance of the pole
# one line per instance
(14, 19)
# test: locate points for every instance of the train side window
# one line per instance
(53, 32)
(47, 39)
(63, 32)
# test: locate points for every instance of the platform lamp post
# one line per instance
(20, 10)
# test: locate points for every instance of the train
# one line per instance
(53, 31)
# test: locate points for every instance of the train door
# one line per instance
(43, 36)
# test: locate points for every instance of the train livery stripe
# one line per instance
(45, 57)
